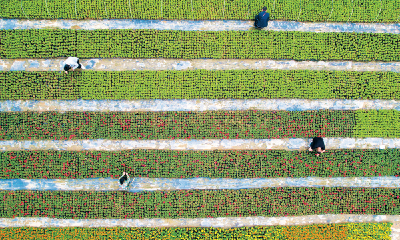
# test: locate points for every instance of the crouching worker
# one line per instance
(72, 63)
(317, 144)
(124, 181)
(261, 20)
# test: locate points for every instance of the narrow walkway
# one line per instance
(209, 25)
(195, 105)
(292, 144)
(117, 64)
(208, 222)
(169, 184)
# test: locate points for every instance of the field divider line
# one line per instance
(76, 14)
(378, 12)
(273, 10)
(330, 13)
(223, 10)
(162, 9)
(47, 9)
(105, 7)
(299, 12)
(24, 11)
(352, 9)
(130, 8)
(191, 3)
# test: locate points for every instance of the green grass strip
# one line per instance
(296, 10)
(128, 43)
(191, 164)
(271, 202)
(174, 84)
(247, 124)
(312, 231)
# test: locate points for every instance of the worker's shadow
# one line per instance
(255, 29)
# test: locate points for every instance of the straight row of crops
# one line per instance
(247, 124)
(297, 10)
(128, 43)
(271, 202)
(315, 231)
(174, 84)
(191, 164)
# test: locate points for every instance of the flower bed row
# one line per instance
(311, 10)
(271, 202)
(239, 84)
(247, 124)
(191, 164)
(313, 231)
(128, 43)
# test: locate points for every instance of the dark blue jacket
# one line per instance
(317, 142)
(262, 20)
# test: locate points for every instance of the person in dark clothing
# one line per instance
(124, 181)
(317, 144)
(261, 19)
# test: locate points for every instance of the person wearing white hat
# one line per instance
(124, 181)
(317, 144)
(72, 63)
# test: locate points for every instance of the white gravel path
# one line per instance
(208, 25)
(120, 64)
(292, 144)
(159, 105)
(170, 184)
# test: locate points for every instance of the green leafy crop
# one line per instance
(296, 10)
(239, 84)
(373, 123)
(249, 124)
(271, 202)
(315, 231)
(116, 43)
(191, 164)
